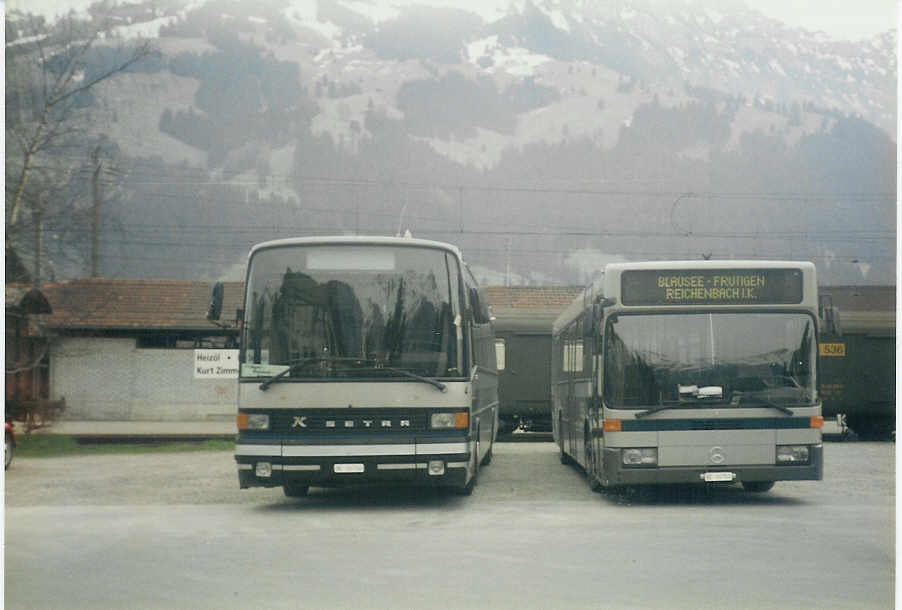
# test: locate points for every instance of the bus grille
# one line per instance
(350, 421)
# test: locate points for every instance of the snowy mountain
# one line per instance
(345, 115)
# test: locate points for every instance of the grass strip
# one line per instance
(58, 445)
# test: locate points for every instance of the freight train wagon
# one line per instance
(858, 363)
(523, 319)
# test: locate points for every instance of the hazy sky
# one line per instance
(843, 19)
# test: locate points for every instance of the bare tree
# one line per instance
(50, 72)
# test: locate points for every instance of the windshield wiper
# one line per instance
(378, 366)
(766, 403)
(296, 364)
(375, 364)
(648, 412)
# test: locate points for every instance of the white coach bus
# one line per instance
(363, 359)
(691, 372)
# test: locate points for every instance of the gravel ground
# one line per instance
(519, 471)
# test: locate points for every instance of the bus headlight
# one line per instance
(792, 454)
(647, 456)
(253, 421)
(459, 420)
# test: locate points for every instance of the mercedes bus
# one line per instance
(691, 372)
(363, 359)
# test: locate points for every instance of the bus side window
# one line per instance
(598, 362)
(500, 353)
(578, 351)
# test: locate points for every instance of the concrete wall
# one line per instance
(111, 379)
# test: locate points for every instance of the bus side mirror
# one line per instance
(215, 308)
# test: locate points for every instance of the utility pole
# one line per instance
(460, 209)
(507, 265)
(95, 223)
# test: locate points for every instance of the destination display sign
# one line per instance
(711, 287)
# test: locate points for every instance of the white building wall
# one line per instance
(111, 379)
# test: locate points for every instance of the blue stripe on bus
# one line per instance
(744, 423)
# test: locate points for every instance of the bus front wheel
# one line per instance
(293, 490)
(757, 486)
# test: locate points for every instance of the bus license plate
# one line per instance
(717, 477)
(348, 468)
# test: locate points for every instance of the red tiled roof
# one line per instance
(531, 297)
(135, 304)
(172, 304)
(182, 305)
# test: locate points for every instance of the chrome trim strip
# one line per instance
(457, 464)
(350, 450)
(270, 450)
(245, 466)
(346, 450)
(397, 466)
(437, 448)
(301, 467)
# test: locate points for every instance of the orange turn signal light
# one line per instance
(241, 421)
(462, 420)
(817, 421)
(612, 425)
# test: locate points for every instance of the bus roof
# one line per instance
(356, 240)
(711, 264)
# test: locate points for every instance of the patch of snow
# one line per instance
(146, 29)
(377, 12)
(380, 11)
(27, 40)
(304, 14)
(257, 20)
(483, 151)
(517, 61)
(774, 65)
(557, 19)
(479, 48)
(842, 63)
(336, 53)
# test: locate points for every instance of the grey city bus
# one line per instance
(691, 372)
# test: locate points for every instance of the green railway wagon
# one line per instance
(857, 377)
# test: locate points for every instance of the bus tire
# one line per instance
(591, 477)
(293, 490)
(467, 489)
(757, 486)
(565, 459)
(487, 458)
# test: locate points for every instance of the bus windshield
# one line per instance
(706, 359)
(350, 312)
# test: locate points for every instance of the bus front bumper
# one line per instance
(446, 463)
(614, 473)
